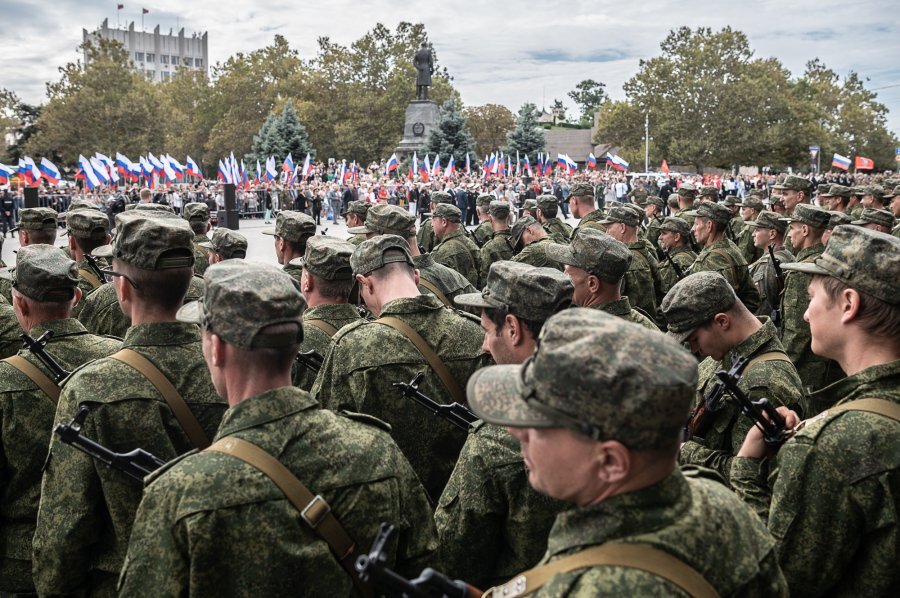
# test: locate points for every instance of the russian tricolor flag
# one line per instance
(5, 173)
(146, 168)
(155, 163)
(288, 165)
(392, 164)
(99, 169)
(592, 161)
(413, 166)
(616, 162)
(50, 172)
(528, 166)
(839, 161)
(436, 167)
(224, 173)
(192, 168)
(177, 166)
(451, 168)
(271, 173)
(425, 169)
(32, 172)
(307, 166)
(87, 170)
(468, 166)
(123, 165)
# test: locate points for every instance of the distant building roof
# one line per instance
(576, 143)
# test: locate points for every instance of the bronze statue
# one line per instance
(424, 63)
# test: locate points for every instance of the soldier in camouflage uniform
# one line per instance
(87, 230)
(225, 244)
(835, 219)
(9, 330)
(708, 193)
(674, 238)
(36, 226)
(499, 247)
(292, 231)
(596, 264)
(751, 208)
(86, 511)
(354, 216)
(720, 254)
(44, 286)
(805, 230)
(894, 206)
(326, 284)
(830, 495)
(368, 357)
(641, 284)
(875, 219)
(484, 231)
(197, 215)
(625, 487)
(530, 239)
(736, 224)
(793, 190)
(491, 523)
(653, 209)
(583, 205)
(455, 250)
(425, 235)
(547, 210)
(703, 311)
(872, 197)
(686, 195)
(768, 229)
(203, 515)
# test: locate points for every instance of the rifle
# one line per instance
(311, 359)
(136, 464)
(36, 346)
(774, 428)
(458, 415)
(779, 277)
(373, 569)
(95, 267)
(701, 416)
(678, 271)
(324, 231)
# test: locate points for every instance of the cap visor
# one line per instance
(561, 253)
(6, 273)
(806, 268)
(605, 222)
(270, 231)
(495, 395)
(681, 337)
(189, 313)
(471, 300)
(206, 244)
(358, 230)
(103, 251)
(297, 261)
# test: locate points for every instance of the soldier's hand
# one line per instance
(754, 446)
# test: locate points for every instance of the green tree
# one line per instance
(451, 136)
(527, 137)
(588, 95)
(280, 135)
(191, 116)
(489, 125)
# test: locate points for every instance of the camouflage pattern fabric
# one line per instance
(651, 234)
(774, 380)
(201, 254)
(202, 514)
(450, 282)
(86, 511)
(641, 281)
(314, 339)
(26, 419)
(684, 215)
(744, 243)
(497, 249)
(763, 275)
(483, 233)
(294, 272)
(558, 230)
(425, 236)
(684, 257)
(87, 286)
(367, 358)
(724, 257)
(622, 308)
(830, 496)
(591, 220)
(459, 252)
(356, 239)
(536, 255)
(10, 343)
(491, 524)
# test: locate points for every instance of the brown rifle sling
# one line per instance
(881, 407)
(322, 325)
(37, 376)
(436, 291)
(90, 277)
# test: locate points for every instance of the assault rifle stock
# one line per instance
(36, 346)
(773, 427)
(92, 263)
(456, 414)
(678, 271)
(311, 359)
(701, 416)
(779, 277)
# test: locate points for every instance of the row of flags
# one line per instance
(859, 163)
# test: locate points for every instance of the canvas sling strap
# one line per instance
(632, 556)
(90, 277)
(439, 367)
(313, 509)
(768, 356)
(321, 325)
(173, 398)
(37, 376)
(882, 407)
(436, 291)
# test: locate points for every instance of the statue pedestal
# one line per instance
(421, 118)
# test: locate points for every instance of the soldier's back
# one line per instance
(763, 275)
(558, 230)
(639, 281)
(684, 257)
(320, 323)
(536, 255)
(447, 280)
(459, 252)
(9, 330)
(723, 256)
(497, 249)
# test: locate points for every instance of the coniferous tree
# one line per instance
(451, 136)
(527, 137)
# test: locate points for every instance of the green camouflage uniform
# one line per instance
(498, 248)
(622, 308)
(26, 419)
(86, 510)
(652, 232)
(9, 331)
(744, 243)
(491, 524)
(367, 358)
(764, 278)
(724, 257)
(683, 214)
(684, 257)
(591, 220)
(201, 518)
(356, 239)
(459, 252)
(315, 339)
(558, 230)
(450, 282)
(483, 233)
(88, 282)
(640, 281)
(201, 254)
(830, 497)
(536, 255)
(425, 236)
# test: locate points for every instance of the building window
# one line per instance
(165, 75)
(164, 59)
(198, 62)
(188, 61)
(174, 60)
(139, 57)
(150, 75)
(151, 57)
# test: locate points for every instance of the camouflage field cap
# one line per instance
(82, 204)
(292, 226)
(151, 207)
(375, 253)
(858, 190)
(37, 219)
(594, 252)
(708, 191)
(653, 200)
(673, 197)
(530, 205)
(687, 189)
(196, 211)
(876, 191)
(547, 201)
(515, 233)
(623, 214)
(227, 243)
(150, 241)
(837, 219)
(45, 273)
(499, 209)
(809, 215)
(439, 197)
(448, 211)
(756, 193)
(87, 224)
(754, 203)
(676, 225)
(822, 188)
(385, 219)
(597, 374)
(712, 211)
(358, 207)
(769, 220)
(873, 216)
(522, 290)
(581, 190)
(837, 191)
(863, 259)
(694, 300)
(484, 200)
(230, 287)
(731, 201)
(793, 182)
(327, 257)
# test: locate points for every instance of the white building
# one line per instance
(157, 55)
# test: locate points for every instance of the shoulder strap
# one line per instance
(173, 398)
(436, 291)
(313, 509)
(90, 277)
(321, 325)
(439, 367)
(882, 407)
(37, 376)
(768, 356)
(633, 556)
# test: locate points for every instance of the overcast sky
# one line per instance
(498, 52)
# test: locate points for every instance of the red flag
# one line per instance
(864, 163)
(145, 11)
(665, 168)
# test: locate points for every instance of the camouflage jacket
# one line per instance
(641, 282)
(459, 252)
(727, 427)
(26, 420)
(744, 243)
(497, 249)
(896, 231)
(591, 220)
(764, 278)
(9, 331)
(558, 230)
(831, 497)
(86, 510)
(536, 255)
(491, 524)
(623, 309)
(723, 256)
(201, 255)
(425, 236)
(203, 514)
(684, 257)
(356, 239)
(88, 282)
(315, 339)
(693, 518)
(652, 232)
(367, 358)
(683, 214)
(483, 233)
(450, 282)
(294, 272)
(815, 371)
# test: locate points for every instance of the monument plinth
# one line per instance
(421, 118)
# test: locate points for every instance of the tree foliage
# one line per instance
(280, 135)
(451, 136)
(489, 125)
(527, 137)
(588, 95)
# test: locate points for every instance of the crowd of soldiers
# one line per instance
(700, 404)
